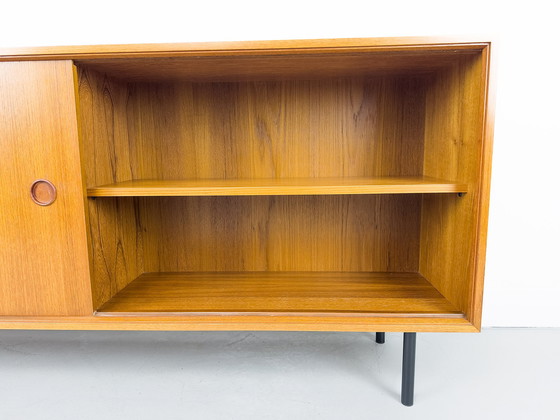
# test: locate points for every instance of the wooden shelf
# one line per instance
(285, 186)
(280, 292)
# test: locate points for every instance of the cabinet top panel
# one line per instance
(346, 45)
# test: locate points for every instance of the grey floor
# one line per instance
(499, 374)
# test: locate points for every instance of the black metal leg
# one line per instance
(379, 338)
(409, 359)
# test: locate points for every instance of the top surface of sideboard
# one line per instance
(76, 52)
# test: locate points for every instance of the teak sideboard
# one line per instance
(316, 185)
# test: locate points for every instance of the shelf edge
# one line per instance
(117, 191)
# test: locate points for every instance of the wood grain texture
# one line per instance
(245, 322)
(44, 268)
(285, 233)
(289, 129)
(276, 67)
(114, 232)
(277, 130)
(270, 292)
(237, 48)
(215, 114)
(488, 58)
(284, 186)
(450, 225)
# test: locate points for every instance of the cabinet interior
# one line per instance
(261, 122)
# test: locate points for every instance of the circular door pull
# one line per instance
(43, 192)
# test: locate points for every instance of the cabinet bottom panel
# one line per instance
(404, 294)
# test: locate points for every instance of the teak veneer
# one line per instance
(280, 292)
(320, 185)
(275, 186)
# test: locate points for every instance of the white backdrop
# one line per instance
(522, 279)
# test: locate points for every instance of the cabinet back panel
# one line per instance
(303, 233)
(282, 129)
(276, 129)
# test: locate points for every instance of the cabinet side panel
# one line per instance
(454, 142)
(44, 267)
(115, 234)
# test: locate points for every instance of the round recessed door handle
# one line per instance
(43, 192)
